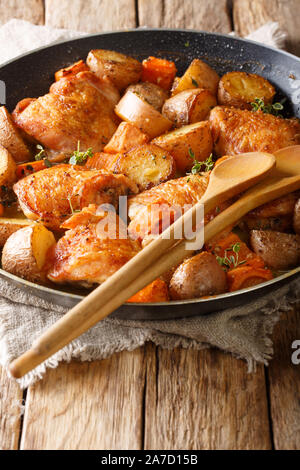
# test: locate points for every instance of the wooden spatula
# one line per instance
(234, 175)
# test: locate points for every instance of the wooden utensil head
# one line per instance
(288, 160)
(240, 172)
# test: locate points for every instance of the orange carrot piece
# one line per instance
(26, 169)
(157, 291)
(247, 276)
(159, 71)
(245, 255)
(102, 161)
(74, 69)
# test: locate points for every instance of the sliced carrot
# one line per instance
(222, 247)
(102, 161)
(74, 69)
(1, 210)
(159, 71)
(155, 292)
(247, 276)
(26, 169)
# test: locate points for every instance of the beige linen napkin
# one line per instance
(244, 331)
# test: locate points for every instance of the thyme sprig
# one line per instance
(231, 261)
(201, 167)
(79, 157)
(259, 105)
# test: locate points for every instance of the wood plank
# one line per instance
(91, 16)
(199, 400)
(284, 382)
(29, 10)
(251, 14)
(88, 406)
(10, 412)
(190, 14)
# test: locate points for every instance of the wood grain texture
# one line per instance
(249, 15)
(198, 400)
(210, 15)
(10, 412)
(284, 383)
(29, 10)
(91, 16)
(88, 406)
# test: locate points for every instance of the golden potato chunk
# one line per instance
(239, 89)
(9, 226)
(148, 165)
(189, 106)
(198, 75)
(126, 137)
(11, 138)
(132, 108)
(151, 93)
(25, 252)
(8, 168)
(119, 68)
(198, 276)
(195, 138)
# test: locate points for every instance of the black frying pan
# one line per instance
(32, 74)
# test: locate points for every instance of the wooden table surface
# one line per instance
(152, 398)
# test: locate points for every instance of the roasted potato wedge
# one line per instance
(195, 137)
(148, 165)
(9, 226)
(25, 252)
(280, 251)
(11, 139)
(198, 276)
(126, 137)
(151, 93)
(198, 75)
(120, 69)
(189, 106)
(132, 108)
(72, 70)
(239, 89)
(296, 220)
(8, 168)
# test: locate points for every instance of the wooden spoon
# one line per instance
(288, 160)
(228, 179)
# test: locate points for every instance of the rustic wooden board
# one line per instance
(198, 400)
(88, 406)
(284, 383)
(190, 14)
(91, 16)
(30, 10)
(10, 412)
(251, 14)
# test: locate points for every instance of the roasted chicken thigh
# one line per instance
(77, 109)
(53, 194)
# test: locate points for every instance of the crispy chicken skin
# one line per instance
(86, 254)
(174, 193)
(80, 108)
(239, 131)
(52, 194)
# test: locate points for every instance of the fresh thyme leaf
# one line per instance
(259, 105)
(195, 83)
(231, 261)
(200, 167)
(187, 44)
(78, 157)
(48, 164)
(41, 154)
(73, 211)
